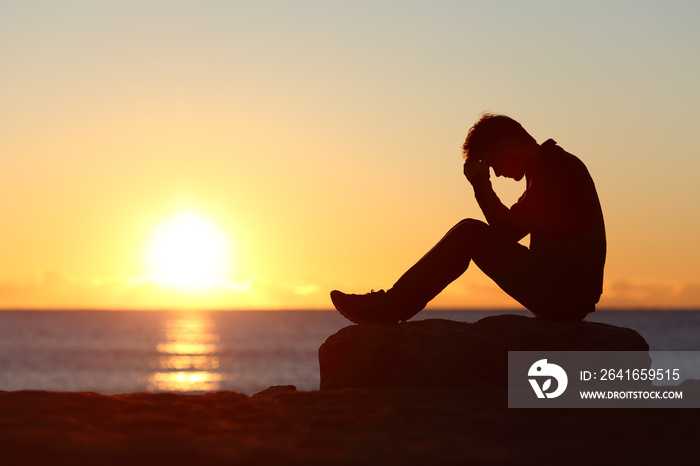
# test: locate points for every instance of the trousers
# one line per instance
(513, 267)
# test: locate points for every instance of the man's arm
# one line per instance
(497, 215)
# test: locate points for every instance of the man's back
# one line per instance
(567, 230)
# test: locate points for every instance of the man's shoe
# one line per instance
(370, 308)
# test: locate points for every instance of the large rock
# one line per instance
(445, 353)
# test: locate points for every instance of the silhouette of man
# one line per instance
(559, 277)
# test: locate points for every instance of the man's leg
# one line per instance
(539, 289)
(468, 240)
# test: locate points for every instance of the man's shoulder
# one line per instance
(557, 155)
(560, 171)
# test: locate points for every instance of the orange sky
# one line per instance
(322, 139)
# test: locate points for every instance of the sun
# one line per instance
(188, 251)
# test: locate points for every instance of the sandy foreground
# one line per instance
(388, 426)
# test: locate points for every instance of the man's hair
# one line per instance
(489, 132)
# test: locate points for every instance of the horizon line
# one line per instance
(312, 309)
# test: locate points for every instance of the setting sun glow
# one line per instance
(189, 251)
(257, 155)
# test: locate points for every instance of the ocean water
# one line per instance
(195, 352)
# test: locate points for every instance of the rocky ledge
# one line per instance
(439, 353)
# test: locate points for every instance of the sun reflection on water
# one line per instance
(187, 360)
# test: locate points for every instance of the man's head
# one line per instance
(502, 143)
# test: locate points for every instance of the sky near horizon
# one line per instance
(310, 145)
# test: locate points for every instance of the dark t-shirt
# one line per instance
(561, 211)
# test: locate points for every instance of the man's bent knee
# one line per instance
(471, 223)
(470, 228)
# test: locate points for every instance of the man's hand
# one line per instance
(476, 171)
